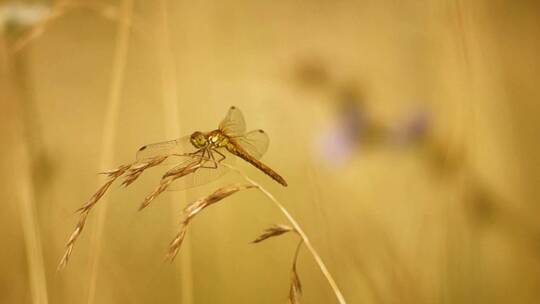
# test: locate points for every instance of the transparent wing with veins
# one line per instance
(171, 148)
(234, 123)
(255, 143)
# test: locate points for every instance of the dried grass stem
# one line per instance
(300, 232)
(295, 290)
(85, 210)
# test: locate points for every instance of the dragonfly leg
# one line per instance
(199, 155)
(213, 158)
(214, 164)
(222, 156)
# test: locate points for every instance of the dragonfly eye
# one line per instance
(198, 139)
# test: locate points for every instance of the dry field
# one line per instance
(407, 132)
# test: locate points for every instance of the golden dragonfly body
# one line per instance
(215, 146)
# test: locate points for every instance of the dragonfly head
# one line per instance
(198, 139)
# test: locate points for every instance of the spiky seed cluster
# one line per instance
(275, 230)
(169, 177)
(130, 172)
(136, 170)
(86, 208)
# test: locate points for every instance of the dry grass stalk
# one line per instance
(58, 10)
(168, 64)
(168, 178)
(299, 230)
(112, 110)
(87, 207)
(24, 187)
(163, 185)
(136, 170)
(272, 232)
(39, 28)
(179, 171)
(176, 243)
(295, 290)
(113, 175)
(131, 172)
(71, 243)
(169, 81)
(195, 208)
(95, 198)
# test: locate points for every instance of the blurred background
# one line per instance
(407, 131)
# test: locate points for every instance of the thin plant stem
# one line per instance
(39, 28)
(295, 290)
(60, 9)
(300, 232)
(172, 127)
(25, 188)
(297, 251)
(109, 132)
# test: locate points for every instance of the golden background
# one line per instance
(450, 218)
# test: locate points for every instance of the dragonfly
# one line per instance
(208, 150)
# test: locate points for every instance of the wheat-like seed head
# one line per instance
(85, 210)
(170, 177)
(273, 231)
(135, 171)
(191, 210)
(132, 172)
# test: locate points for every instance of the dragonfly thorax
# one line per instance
(217, 139)
(213, 139)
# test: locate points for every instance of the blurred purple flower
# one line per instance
(412, 128)
(340, 140)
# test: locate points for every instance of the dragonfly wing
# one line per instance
(255, 142)
(233, 124)
(204, 175)
(166, 148)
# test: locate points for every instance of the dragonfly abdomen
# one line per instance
(238, 151)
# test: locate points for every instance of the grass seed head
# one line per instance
(273, 231)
